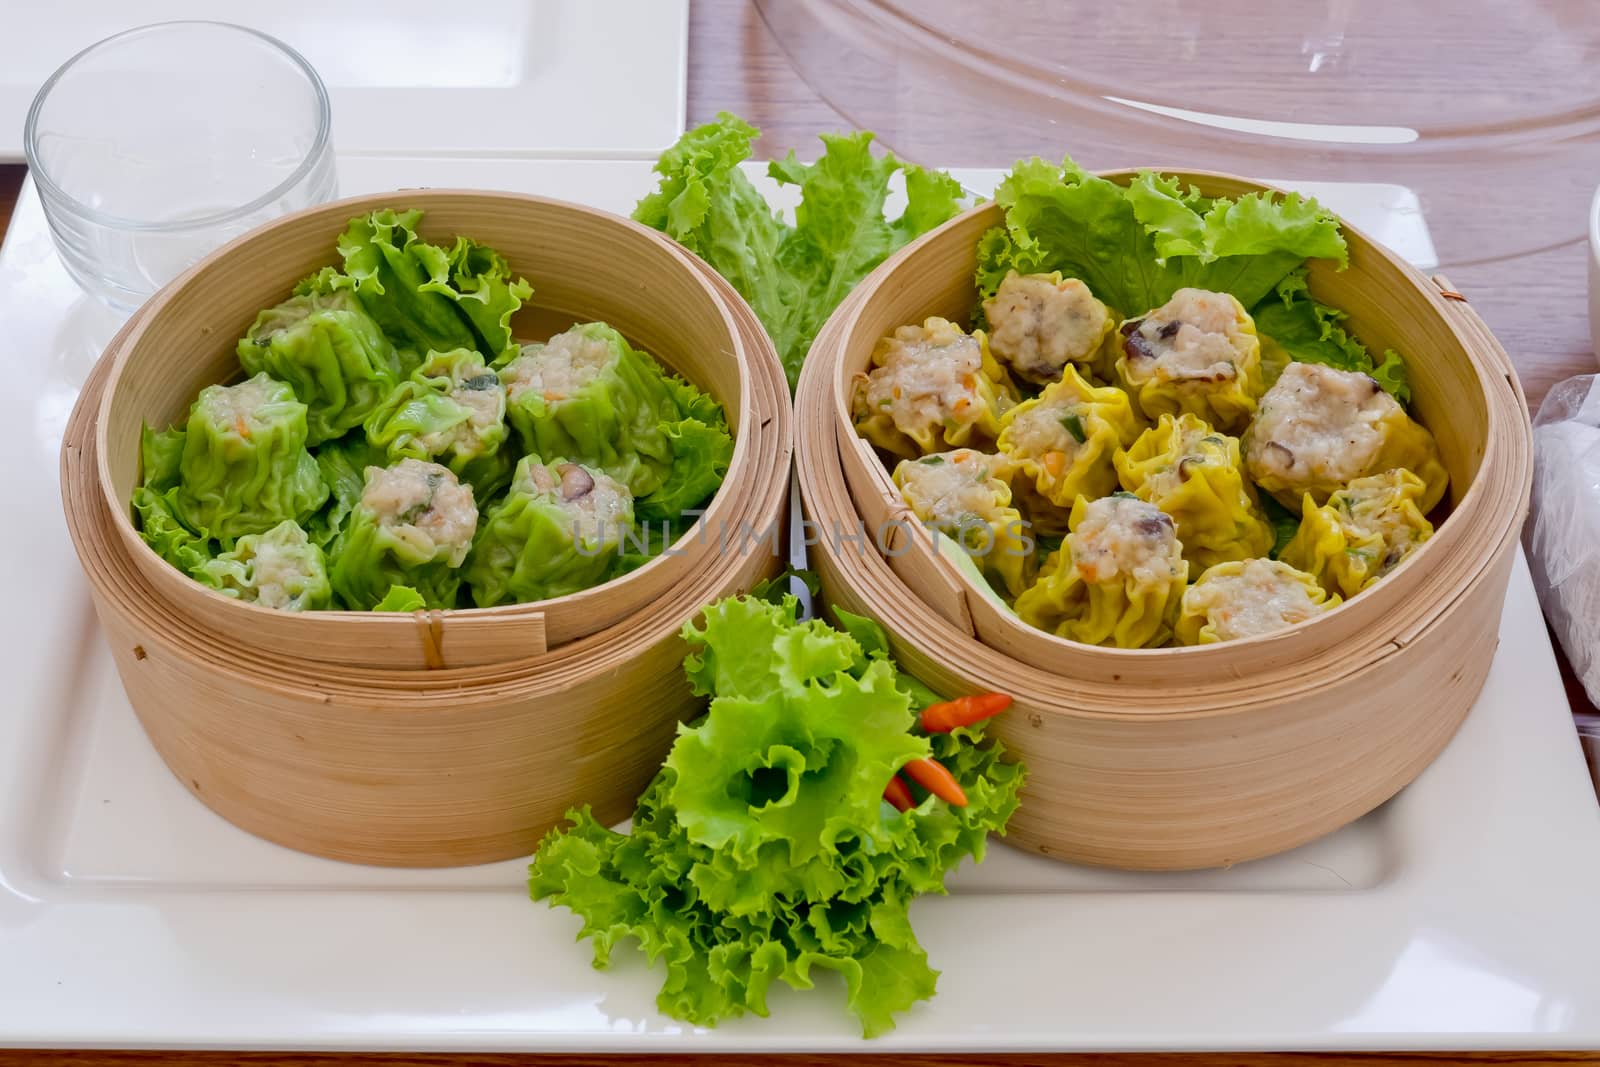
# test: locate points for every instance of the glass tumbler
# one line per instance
(156, 145)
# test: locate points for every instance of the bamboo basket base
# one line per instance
(1136, 762)
(438, 768)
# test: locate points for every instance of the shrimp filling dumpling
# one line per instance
(413, 526)
(1064, 441)
(1038, 323)
(1116, 580)
(963, 495)
(1197, 353)
(1320, 428)
(1195, 474)
(244, 467)
(1246, 598)
(450, 410)
(1362, 533)
(931, 386)
(280, 569)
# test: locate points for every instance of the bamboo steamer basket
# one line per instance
(418, 768)
(1193, 757)
(584, 264)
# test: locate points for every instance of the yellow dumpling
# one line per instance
(1197, 353)
(932, 386)
(963, 494)
(1064, 441)
(1319, 428)
(1039, 323)
(1117, 579)
(1194, 474)
(1245, 598)
(1362, 532)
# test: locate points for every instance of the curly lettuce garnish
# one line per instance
(765, 849)
(792, 276)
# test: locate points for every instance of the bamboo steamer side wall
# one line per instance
(422, 788)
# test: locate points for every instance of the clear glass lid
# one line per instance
(1487, 111)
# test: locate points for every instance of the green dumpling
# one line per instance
(279, 569)
(331, 351)
(557, 531)
(244, 467)
(412, 526)
(451, 410)
(588, 395)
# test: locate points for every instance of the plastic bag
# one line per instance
(1563, 536)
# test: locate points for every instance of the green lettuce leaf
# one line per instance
(763, 851)
(1285, 523)
(1134, 246)
(343, 464)
(792, 276)
(426, 298)
(1310, 332)
(401, 598)
(161, 529)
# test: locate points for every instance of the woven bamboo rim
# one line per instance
(583, 263)
(1197, 757)
(429, 768)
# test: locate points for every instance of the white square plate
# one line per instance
(1459, 915)
(548, 78)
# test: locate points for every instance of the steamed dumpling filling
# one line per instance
(1257, 596)
(558, 368)
(600, 508)
(1038, 323)
(280, 569)
(1122, 538)
(1197, 353)
(949, 489)
(423, 506)
(964, 494)
(477, 390)
(1197, 336)
(1318, 425)
(241, 408)
(930, 384)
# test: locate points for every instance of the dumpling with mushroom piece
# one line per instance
(1248, 598)
(413, 526)
(1117, 579)
(450, 410)
(964, 495)
(1039, 323)
(280, 569)
(558, 531)
(1320, 428)
(1197, 353)
(1196, 475)
(1064, 441)
(931, 387)
(589, 396)
(1362, 533)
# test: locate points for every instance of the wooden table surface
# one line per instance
(1535, 303)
